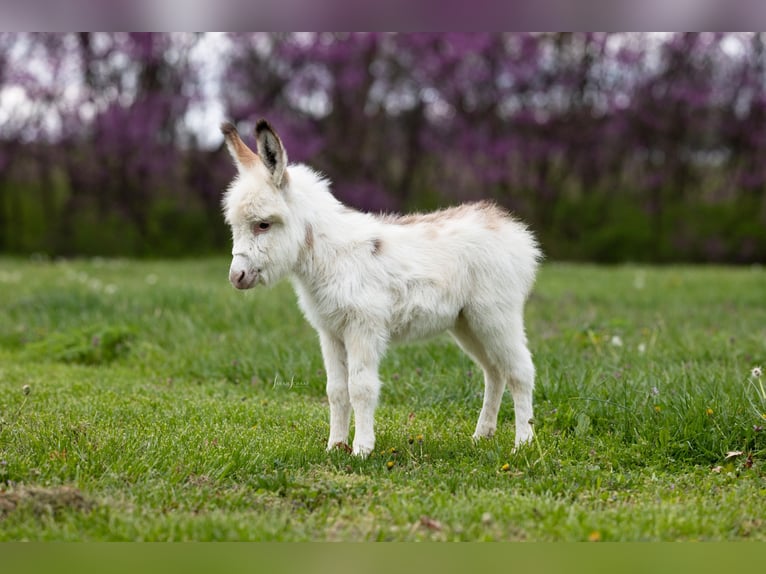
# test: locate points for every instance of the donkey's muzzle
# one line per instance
(241, 276)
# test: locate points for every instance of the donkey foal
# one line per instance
(365, 281)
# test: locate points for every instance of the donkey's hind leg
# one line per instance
(499, 345)
(493, 380)
(522, 384)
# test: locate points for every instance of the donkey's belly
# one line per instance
(421, 325)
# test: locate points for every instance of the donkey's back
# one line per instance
(475, 240)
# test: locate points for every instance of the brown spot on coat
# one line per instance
(377, 245)
(309, 238)
(492, 215)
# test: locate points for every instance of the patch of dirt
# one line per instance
(43, 500)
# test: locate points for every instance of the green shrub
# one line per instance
(95, 345)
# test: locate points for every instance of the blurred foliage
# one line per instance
(613, 147)
(95, 345)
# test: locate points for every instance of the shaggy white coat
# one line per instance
(366, 281)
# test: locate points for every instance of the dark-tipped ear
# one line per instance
(271, 151)
(242, 155)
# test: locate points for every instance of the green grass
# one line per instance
(161, 404)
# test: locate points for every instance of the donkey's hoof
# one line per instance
(484, 434)
(362, 450)
(521, 442)
(340, 445)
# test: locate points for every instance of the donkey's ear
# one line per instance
(271, 151)
(242, 155)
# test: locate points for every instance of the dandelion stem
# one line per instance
(539, 448)
(21, 407)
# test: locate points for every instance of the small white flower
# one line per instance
(756, 372)
(151, 279)
(642, 348)
(616, 341)
(110, 289)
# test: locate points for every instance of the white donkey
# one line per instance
(365, 281)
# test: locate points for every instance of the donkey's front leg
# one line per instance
(364, 352)
(334, 355)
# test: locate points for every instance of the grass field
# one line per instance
(151, 401)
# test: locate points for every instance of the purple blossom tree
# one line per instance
(612, 145)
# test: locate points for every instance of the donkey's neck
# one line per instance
(330, 230)
(329, 237)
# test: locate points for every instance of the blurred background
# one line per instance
(613, 147)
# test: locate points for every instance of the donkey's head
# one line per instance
(256, 207)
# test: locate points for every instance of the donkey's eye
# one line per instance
(261, 226)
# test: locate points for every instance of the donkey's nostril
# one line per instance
(241, 277)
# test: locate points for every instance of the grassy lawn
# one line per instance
(151, 401)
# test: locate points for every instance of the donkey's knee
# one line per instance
(363, 391)
(340, 412)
